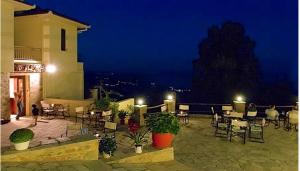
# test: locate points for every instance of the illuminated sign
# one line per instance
(30, 68)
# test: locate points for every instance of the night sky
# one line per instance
(161, 36)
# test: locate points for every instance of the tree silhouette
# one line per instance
(227, 65)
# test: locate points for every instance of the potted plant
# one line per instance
(139, 139)
(108, 146)
(163, 126)
(133, 122)
(122, 115)
(21, 138)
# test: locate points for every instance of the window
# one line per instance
(63, 39)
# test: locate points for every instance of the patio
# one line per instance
(196, 148)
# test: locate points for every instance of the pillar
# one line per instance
(140, 110)
(170, 104)
(4, 87)
(239, 107)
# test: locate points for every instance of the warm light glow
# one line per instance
(92, 112)
(52, 105)
(239, 98)
(51, 68)
(170, 97)
(140, 102)
(11, 88)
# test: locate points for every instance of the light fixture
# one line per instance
(239, 98)
(92, 112)
(140, 102)
(50, 68)
(169, 97)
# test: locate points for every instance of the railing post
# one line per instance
(170, 104)
(140, 110)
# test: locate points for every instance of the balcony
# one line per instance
(28, 53)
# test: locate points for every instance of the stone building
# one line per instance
(38, 56)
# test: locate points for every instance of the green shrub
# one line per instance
(21, 135)
(108, 145)
(103, 104)
(122, 114)
(162, 123)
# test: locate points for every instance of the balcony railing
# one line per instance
(28, 53)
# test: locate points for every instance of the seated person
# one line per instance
(272, 113)
(293, 115)
(252, 107)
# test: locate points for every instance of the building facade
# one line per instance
(38, 56)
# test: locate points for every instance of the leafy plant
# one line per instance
(103, 104)
(139, 136)
(108, 145)
(162, 122)
(114, 106)
(122, 114)
(21, 135)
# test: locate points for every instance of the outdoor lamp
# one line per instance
(170, 97)
(239, 98)
(92, 112)
(140, 102)
(50, 68)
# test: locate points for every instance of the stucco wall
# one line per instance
(4, 87)
(86, 149)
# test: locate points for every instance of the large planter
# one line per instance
(22, 146)
(162, 140)
(138, 149)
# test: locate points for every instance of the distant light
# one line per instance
(140, 102)
(239, 98)
(92, 112)
(50, 68)
(170, 97)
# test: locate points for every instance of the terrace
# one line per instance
(195, 148)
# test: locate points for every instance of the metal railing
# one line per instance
(28, 53)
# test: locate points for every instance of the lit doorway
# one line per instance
(17, 89)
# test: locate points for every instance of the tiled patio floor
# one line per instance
(195, 146)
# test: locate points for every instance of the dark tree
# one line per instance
(227, 65)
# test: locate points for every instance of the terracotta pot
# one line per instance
(22, 146)
(162, 140)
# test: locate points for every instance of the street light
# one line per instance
(140, 102)
(170, 97)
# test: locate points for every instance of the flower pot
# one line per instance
(138, 149)
(22, 146)
(162, 140)
(106, 155)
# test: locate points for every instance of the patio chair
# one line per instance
(183, 113)
(293, 120)
(61, 111)
(251, 116)
(47, 109)
(256, 132)
(227, 109)
(213, 117)
(238, 128)
(110, 128)
(222, 127)
(272, 117)
(79, 111)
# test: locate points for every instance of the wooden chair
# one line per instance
(79, 111)
(47, 109)
(256, 132)
(222, 126)
(292, 120)
(183, 113)
(227, 109)
(110, 128)
(238, 128)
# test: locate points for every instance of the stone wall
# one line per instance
(35, 89)
(4, 87)
(85, 148)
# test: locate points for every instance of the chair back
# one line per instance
(236, 114)
(227, 108)
(238, 123)
(163, 108)
(107, 113)
(293, 117)
(252, 113)
(79, 109)
(184, 107)
(110, 125)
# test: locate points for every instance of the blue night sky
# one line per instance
(155, 36)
